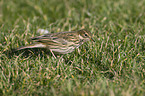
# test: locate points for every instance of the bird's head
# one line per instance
(85, 35)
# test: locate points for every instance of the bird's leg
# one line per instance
(52, 54)
(61, 57)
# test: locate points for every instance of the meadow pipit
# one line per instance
(62, 42)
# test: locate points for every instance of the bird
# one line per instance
(61, 42)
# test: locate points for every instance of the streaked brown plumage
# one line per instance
(62, 42)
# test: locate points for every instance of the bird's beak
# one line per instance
(92, 39)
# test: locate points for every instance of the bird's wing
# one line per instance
(41, 37)
(50, 40)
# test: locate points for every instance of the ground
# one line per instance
(113, 65)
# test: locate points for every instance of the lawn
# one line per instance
(114, 65)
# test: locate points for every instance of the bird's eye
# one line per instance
(86, 35)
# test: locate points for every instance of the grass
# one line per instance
(113, 65)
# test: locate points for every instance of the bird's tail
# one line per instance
(37, 45)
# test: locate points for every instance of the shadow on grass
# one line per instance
(27, 52)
